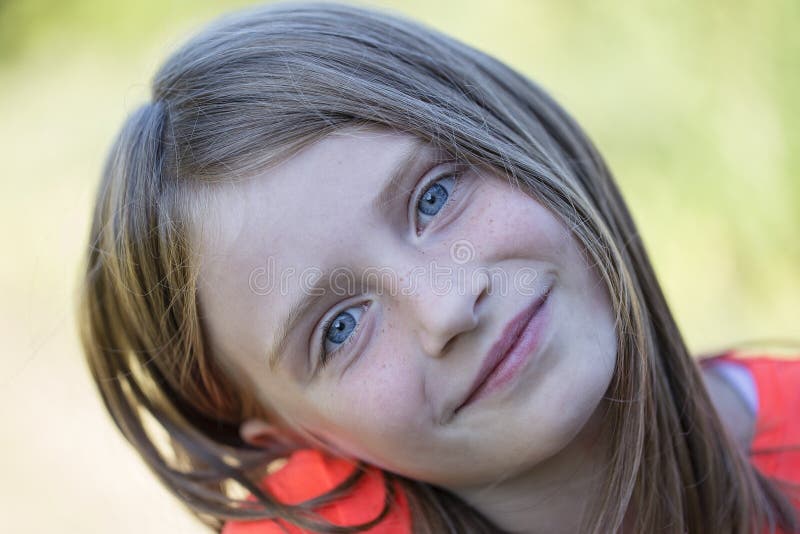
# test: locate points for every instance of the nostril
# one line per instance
(449, 345)
(481, 297)
(484, 292)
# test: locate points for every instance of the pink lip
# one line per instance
(508, 354)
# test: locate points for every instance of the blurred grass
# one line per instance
(694, 106)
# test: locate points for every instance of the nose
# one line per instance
(439, 311)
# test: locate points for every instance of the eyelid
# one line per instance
(457, 169)
(321, 362)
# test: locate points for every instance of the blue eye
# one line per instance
(435, 196)
(338, 331)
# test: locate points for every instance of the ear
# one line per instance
(259, 433)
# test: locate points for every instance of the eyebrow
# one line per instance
(389, 192)
(393, 186)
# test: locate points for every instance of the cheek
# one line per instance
(376, 409)
(507, 223)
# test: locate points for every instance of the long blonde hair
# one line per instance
(255, 87)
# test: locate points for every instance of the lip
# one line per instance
(517, 340)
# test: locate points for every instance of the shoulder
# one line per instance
(732, 400)
(767, 383)
(308, 474)
(752, 391)
(773, 434)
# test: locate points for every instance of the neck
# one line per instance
(554, 495)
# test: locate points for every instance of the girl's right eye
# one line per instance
(338, 331)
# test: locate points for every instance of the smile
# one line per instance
(512, 350)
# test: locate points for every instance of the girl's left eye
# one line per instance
(434, 197)
(339, 331)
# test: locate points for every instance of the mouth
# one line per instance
(516, 340)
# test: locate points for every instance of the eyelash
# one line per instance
(325, 357)
(456, 172)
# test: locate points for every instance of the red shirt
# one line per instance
(310, 473)
(775, 450)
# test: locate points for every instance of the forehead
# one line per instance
(279, 209)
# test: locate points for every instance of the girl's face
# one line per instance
(386, 359)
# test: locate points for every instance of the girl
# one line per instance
(368, 278)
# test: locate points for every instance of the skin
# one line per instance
(527, 454)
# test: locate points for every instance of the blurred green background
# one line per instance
(694, 105)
